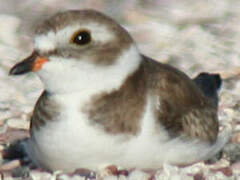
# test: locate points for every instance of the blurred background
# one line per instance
(193, 36)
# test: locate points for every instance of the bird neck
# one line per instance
(85, 77)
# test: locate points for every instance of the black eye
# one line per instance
(82, 37)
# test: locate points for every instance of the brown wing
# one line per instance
(184, 110)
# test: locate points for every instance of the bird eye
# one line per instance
(82, 37)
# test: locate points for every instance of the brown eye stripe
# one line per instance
(81, 37)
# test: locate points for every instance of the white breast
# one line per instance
(71, 141)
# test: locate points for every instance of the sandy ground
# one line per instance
(193, 36)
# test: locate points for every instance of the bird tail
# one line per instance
(194, 151)
(210, 84)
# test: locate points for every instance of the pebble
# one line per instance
(199, 176)
(137, 175)
(236, 167)
(37, 175)
(66, 177)
(227, 171)
(18, 123)
(10, 165)
(236, 138)
(232, 152)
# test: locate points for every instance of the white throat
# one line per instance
(61, 75)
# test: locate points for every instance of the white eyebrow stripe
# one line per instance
(98, 32)
(50, 41)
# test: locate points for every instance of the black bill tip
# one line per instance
(24, 66)
(19, 69)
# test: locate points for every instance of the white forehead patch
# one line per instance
(45, 42)
(52, 40)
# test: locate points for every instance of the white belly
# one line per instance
(69, 145)
(72, 142)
